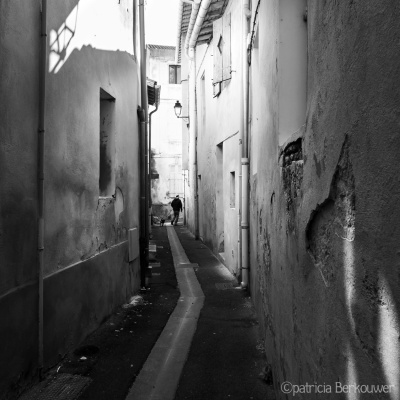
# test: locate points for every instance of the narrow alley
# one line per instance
(189, 336)
(199, 199)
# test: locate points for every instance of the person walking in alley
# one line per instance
(176, 206)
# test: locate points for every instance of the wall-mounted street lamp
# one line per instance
(178, 110)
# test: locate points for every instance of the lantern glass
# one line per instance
(178, 108)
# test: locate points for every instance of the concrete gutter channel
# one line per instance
(211, 346)
(159, 377)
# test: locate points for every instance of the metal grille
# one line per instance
(61, 387)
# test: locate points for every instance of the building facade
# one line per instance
(166, 131)
(293, 174)
(88, 234)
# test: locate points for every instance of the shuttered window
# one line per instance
(222, 52)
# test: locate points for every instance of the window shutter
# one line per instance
(216, 89)
(217, 56)
(226, 62)
(171, 74)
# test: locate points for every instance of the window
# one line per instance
(107, 144)
(175, 74)
(232, 191)
(222, 52)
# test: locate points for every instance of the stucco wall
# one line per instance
(324, 270)
(218, 129)
(19, 71)
(19, 121)
(86, 252)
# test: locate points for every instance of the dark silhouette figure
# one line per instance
(177, 207)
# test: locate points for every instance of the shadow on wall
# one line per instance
(85, 26)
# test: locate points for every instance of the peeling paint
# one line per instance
(332, 220)
(292, 176)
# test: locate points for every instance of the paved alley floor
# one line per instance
(210, 348)
(194, 335)
(226, 355)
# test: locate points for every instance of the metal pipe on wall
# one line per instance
(193, 138)
(40, 178)
(144, 197)
(244, 206)
(199, 11)
(149, 175)
(193, 16)
(201, 15)
(196, 181)
(178, 34)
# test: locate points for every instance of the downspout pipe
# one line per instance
(178, 33)
(144, 192)
(244, 225)
(196, 21)
(193, 16)
(149, 178)
(202, 12)
(40, 177)
(193, 139)
(155, 110)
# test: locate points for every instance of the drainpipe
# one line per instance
(40, 178)
(178, 34)
(157, 90)
(193, 137)
(193, 16)
(197, 17)
(196, 20)
(144, 192)
(184, 198)
(150, 200)
(244, 237)
(195, 7)
(201, 14)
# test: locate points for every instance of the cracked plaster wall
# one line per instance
(324, 238)
(219, 225)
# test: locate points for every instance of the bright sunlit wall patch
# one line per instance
(88, 24)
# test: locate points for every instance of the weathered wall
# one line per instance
(323, 197)
(19, 71)
(324, 262)
(83, 295)
(218, 150)
(85, 235)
